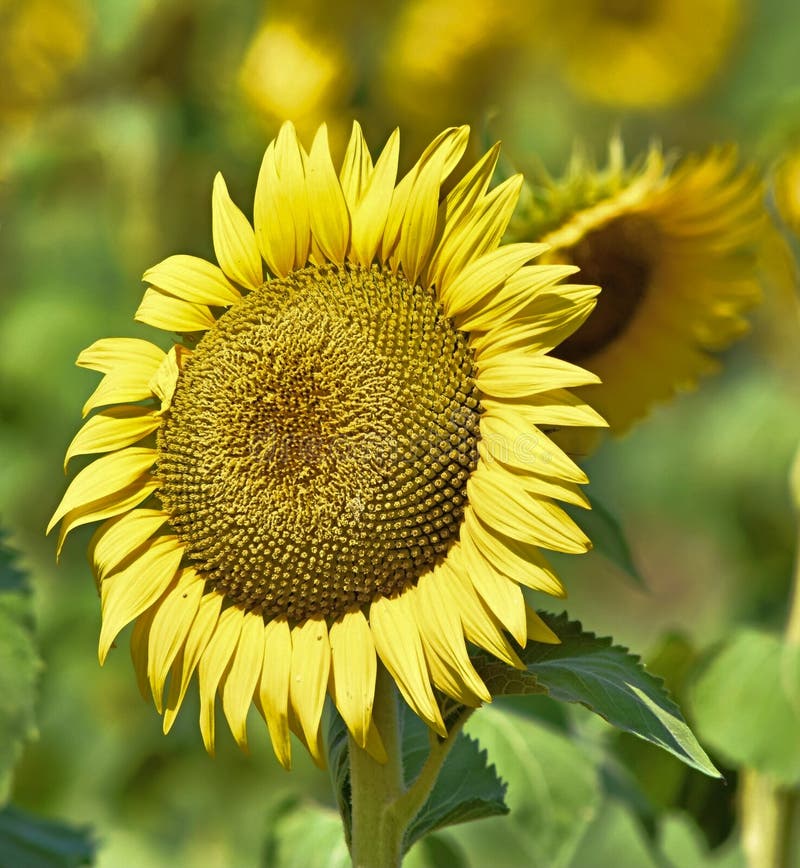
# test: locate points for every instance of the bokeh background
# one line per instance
(114, 118)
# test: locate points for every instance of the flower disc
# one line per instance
(318, 444)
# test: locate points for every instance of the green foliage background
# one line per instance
(113, 174)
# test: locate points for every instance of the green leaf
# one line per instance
(305, 835)
(19, 667)
(606, 678)
(681, 843)
(616, 838)
(553, 794)
(27, 841)
(339, 768)
(467, 787)
(607, 536)
(436, 851)
(758, 675)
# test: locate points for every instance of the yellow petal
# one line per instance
(290, 163)
(519, 561)
(193, 279)
(536, 334)
(419, 220)
(213, 662)
(500, 502)
(538, 631)
(460, 201)
(120, 387)
(484, 275)
(511, 438)
(443, 642)
(172, 314)
(354, 665)
(519, 374)
(171, 623)
(241, 681)
(165, 379)
(501, 595)
(531, 477)
(120, 536)
(480, 231)
(274, 687)
(399, 646)
(453, 142)
(497, 308)
(356, 167)
(189, 655)
(370, 214)
(126, 594)
(556, 407)
(103, 478)
(234, 240)
(139, 634)
(112, 429)
(114, 354)
(311, 660)
(481, 627)
(280, 211)
(121, 501)
(330, 219)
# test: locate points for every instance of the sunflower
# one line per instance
(787, 188)
(43, 40)
(681, 254)
(638, 53)
(339, 465)
(290, 68)
(450, 58)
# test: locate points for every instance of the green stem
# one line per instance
(767, 821)
(768, 811)
(382, 806)
(376, 840)
(410, 803)
(793, 622)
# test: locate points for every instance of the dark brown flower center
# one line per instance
(317, 448)
(617, 257)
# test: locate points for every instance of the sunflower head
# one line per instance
(787, 188)
(450, 58)
(639, 53)
(340, 462)
(293, 68)
(43, 40)
(680, 254)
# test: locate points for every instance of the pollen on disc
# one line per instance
(317, 449)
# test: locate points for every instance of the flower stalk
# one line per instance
(383, 805)
(768, 810)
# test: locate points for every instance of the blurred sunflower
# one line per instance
(639, 53)
(679, 254)
(290, 69)
(340, 462)
(786, 185)
(42, 41)
(448, 59)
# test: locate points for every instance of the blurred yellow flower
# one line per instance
(446, 60)
(42, 41)
(291, 70)
(341, 462)
(638, 53)
(679, 254)
(787, 189)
